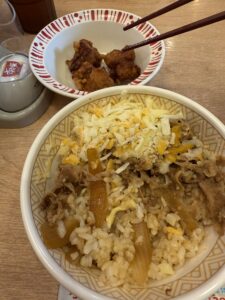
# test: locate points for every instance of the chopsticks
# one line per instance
(189, 27)
(157, 13)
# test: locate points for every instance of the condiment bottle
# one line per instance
(34, 14)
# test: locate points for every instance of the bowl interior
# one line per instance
(196, 271)
(105, 36)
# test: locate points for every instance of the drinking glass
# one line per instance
(18, 44)
(9, 22)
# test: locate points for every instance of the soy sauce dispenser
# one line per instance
(34, 14)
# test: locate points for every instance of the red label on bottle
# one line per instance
(12, 68)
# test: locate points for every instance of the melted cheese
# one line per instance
(125, 205)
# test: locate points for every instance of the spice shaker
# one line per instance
(34, 14)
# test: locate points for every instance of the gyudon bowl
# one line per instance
(122, 196)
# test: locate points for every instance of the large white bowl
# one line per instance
(104, 27)
(199, 278)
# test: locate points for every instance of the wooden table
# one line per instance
(194, 66)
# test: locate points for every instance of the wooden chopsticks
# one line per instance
(191, 26)
(157, 13)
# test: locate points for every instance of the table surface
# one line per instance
(194, 66)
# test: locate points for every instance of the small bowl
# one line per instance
(104, 28)
(198, 279)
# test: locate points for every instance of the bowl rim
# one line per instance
(203, 291)
(37, 59)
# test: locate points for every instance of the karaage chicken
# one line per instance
(89, 78)
(88, 73)
(122, 66)
(84, 52)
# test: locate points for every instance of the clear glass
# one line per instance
(9, 23)
(14, 46)
(18, 44)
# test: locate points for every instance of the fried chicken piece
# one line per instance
(99, 78)
(122, 66)
(115, 57)
(127, 71)
(80, 76)
(89, 78)
(84, 52)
